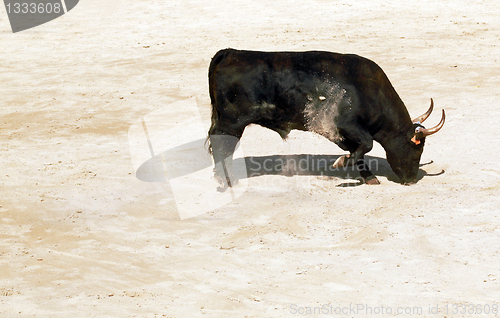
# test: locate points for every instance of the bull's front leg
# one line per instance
(223, 147)
(358, 143)
(364, 170)
(343, 161)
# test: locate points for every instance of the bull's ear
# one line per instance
(415, 140)
(417, 135)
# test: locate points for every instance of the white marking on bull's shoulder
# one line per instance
(320, 113)
(265, 109)
(268, 106)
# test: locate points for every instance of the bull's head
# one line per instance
(405, 160)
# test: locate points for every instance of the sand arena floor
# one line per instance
(82, 236)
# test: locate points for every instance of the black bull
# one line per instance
(346, 98)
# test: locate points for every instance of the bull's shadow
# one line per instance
(192, 157)
(315, 165)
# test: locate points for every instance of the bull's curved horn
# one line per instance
(433, 130)
(420, 119)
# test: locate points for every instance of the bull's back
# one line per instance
(292, 68)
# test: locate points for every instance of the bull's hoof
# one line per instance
(222, 188)
(225, 183)
(222, 184)
(342, 161)
(371, 181)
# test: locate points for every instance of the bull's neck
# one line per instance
(395, 127)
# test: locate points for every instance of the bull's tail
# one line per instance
(215, 119)
(218, 57)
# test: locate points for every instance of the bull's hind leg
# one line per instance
(222, 146)
(358, 143)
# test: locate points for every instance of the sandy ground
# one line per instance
(81, 236)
